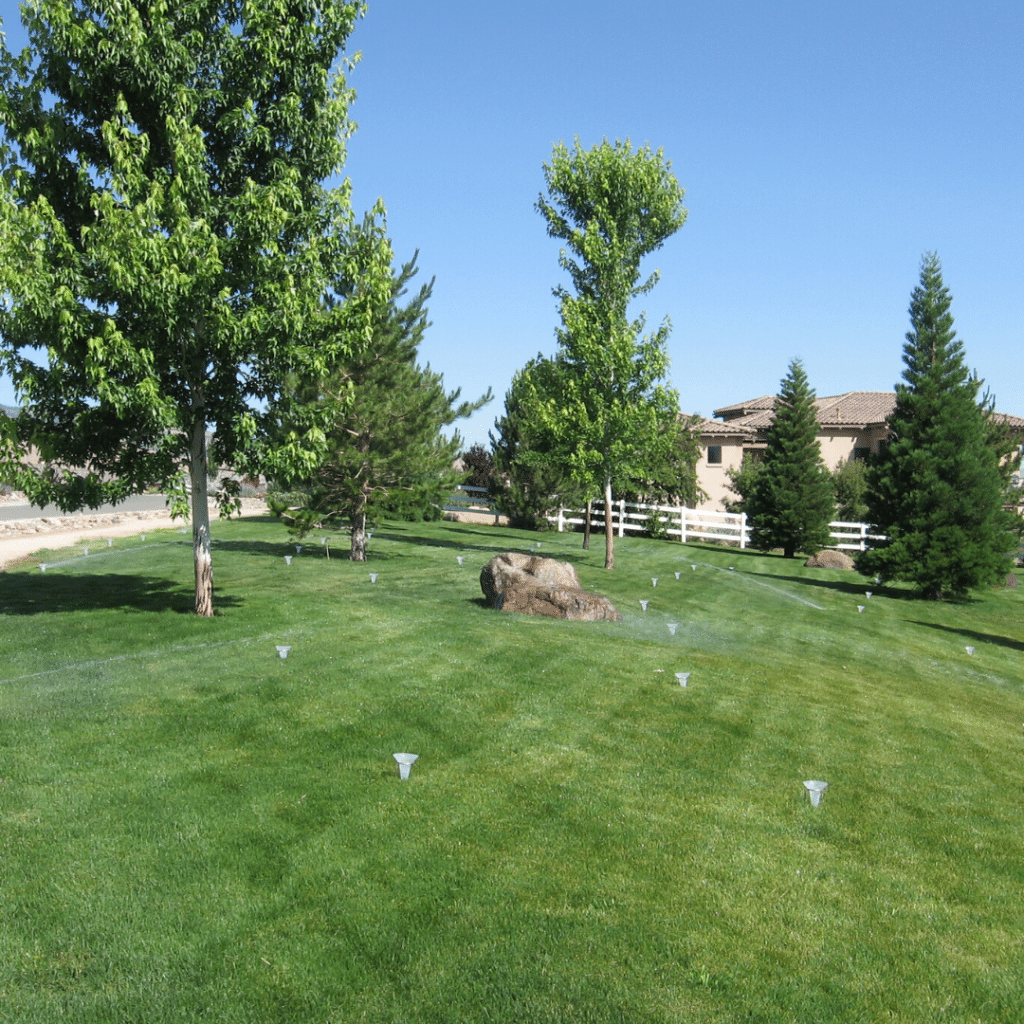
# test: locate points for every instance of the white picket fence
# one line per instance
(696, 524)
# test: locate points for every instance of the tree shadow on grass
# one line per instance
(856, 588)
(55, 592)
(972, 634)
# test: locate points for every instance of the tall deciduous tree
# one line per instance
(611, 206)
(936, 490)
(385, 415)
(167, 242)
(792, 503)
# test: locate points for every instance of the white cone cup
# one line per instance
(694, 568)
(287, 559)
(970, 650)
(143, 537)
(678, 574)
(868, 593)
(405, 762)
(460, 559)
(672, 627)
(860, 607)
(683, 677)
(373, 577)
(644, 604)
(110, 542)
(654, 581)
(282, 651)
(86, 550)
(298, 548)
(815, 789)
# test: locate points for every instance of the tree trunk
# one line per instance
(586, 529)
(201, 520)
(357, 552)
(609, 528)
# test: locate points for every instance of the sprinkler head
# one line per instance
(282, 651)
(405, 762)
(682, 677)
(815, 789)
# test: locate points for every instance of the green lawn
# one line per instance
(195, 829)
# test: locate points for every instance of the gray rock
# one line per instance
(532, 585)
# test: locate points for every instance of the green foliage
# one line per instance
(742, 482)
(673, 481)
(608, 412)
(530, 483)
(849, 488)
(936, 491)
(791, 503)
(384, 415)
(166, 239)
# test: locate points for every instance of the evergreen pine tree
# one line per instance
(936, 489)
(792, 504)
(387, 450)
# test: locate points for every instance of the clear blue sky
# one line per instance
(824, 147)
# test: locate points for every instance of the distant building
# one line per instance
(850, 426)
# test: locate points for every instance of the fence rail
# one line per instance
(697, 524)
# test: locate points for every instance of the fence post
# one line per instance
(561, 518)
(743, 529)
(622, 517)
(682, 524)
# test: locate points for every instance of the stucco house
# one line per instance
(850, 426)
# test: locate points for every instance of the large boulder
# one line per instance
(829, 559)
(532, 585)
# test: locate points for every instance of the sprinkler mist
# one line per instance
(405, 762)
(282, 651)
(815, 789)
(683, 677)
(42, 567)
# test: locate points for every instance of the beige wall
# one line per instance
(712, 478)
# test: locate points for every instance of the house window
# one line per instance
(714, 454)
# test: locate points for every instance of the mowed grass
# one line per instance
(194, 829)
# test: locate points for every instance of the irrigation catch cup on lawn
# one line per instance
(405, 762)
(970, 650)
(678, 574)
(373, 577)
(459, 557)
(860, 607)
(287, 559)
(282, 651)
(654, 581)
(815, 789)
(672, 627)
(683, 678)
(644, 604)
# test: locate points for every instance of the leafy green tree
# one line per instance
(385, 415)
(742, 482)
(674, 480)
(167, 243)
(936, 490)
(791, 504)
(849, 487)
(611, 206)
(529, 486)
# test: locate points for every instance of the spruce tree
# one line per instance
(935, 490)
(387, 451)
(792, 504)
